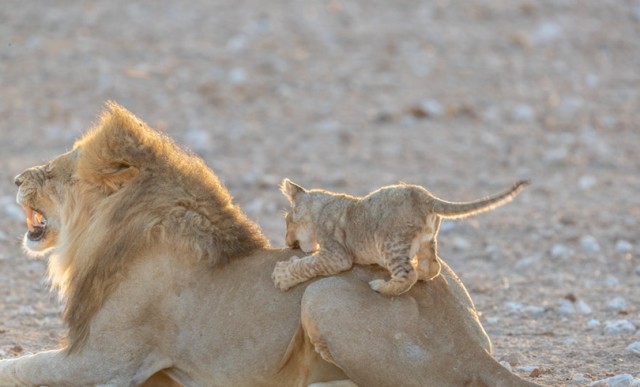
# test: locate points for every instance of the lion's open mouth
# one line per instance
(36, 223)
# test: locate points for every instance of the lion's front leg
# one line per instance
(327, 261)
(85, 368)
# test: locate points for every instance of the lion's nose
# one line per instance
(18, 180)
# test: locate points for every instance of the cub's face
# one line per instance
(301, 231)
(42, 191)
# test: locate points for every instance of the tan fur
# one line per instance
(162, 273)
(114, 213)
(395, 227)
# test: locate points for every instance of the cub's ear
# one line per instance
(291, 189)
(113, 179)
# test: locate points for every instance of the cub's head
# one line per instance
(301, 219)
(43, 192)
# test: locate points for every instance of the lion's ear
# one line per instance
(115, 178)
(291, 189)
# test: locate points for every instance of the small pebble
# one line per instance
(491, 320)
(506, 365)
(513, 359)
(560, 251)
(634, 348)
(587, 182)
(617, 304)
(565, 306)
(460, 243)
(621, 380)
(623, 246)
(618, 327)
(582, 307)
(589, 244)
(570, 341)
(547, 32)
(579, 379)
(557, 154)
(593, 323)
(611, 281)
(523, 113)
(432, 108)
(527, 369)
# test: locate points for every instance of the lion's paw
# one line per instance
(281, 276)
(377, 285)
(389, 288)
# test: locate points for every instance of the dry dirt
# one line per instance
(463, 97)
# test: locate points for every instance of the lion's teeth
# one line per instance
(38, 219)
(29, 213)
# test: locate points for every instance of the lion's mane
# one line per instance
(134, 192)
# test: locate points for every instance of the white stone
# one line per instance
(532, 309)
(493, 252)
(491, 320)
(506, 365)
(569, 106)
(617, 327)
(547, 32)
(623, 246)
(524, 113)
(556, 154)
(634, 348)
(621, 380)
(592, 80)
(197, 139)
(433, 108)
(617, 304)
(593, 323)
(611, 281)
(587, 182)
(460, 243)
(589, 244)
(565, 306)
(560, 251)
(526, 368)
(525, 263)
(237, 76)
(582, 307)
(579, 379)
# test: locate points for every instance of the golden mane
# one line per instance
(136, 191)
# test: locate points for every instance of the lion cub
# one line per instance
(395, 227)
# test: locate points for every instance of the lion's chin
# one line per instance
(41, 245)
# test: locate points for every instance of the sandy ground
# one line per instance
(461, 97)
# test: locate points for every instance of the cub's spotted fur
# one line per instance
(395, 227)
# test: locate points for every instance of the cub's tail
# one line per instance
(452, 210)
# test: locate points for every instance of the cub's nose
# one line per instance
(18, 180)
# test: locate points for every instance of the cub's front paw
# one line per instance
(281, 276)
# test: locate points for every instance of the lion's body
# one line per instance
(162, 275)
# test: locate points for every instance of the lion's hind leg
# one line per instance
(403, 275)
(426, 259)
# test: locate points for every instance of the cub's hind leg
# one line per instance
(427, 262)
(398, 260)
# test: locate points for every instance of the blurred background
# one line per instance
(463, 98)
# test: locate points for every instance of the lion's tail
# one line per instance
(453, 210)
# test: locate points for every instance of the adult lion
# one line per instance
(163, 275)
